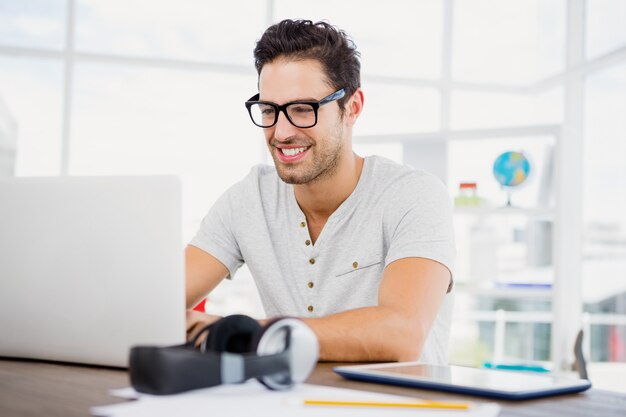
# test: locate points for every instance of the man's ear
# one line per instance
(354, 107)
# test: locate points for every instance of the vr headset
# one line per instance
(236, 348)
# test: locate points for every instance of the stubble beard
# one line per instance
(323, 165)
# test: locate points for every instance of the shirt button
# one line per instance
(310, 284)
(355, 264)
(302, 224)
(310, 308)
(312, 261)
(307, 242)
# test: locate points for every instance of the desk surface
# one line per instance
(32, 388)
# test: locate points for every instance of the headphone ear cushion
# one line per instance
(303, 350)
(235, 334)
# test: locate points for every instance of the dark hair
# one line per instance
(321, 41)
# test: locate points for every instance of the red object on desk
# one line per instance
(200, 306)
(617, 347)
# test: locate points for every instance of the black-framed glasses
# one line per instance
(300, 113)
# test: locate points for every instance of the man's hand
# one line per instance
(196, 321)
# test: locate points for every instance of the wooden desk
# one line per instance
(32, 388)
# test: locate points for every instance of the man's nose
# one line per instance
(283, 129)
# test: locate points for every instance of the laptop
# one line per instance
(90, 266)
(491, 383)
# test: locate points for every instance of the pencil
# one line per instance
(424, 404)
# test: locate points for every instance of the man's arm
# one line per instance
(203, 273)
(409, 297)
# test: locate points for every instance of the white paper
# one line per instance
(253, 399)
(127, 393)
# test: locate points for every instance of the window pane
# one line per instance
(471, 110)
(31, 92)
(8, 140)
(604, 198)
(393, 151)
(403, 40)
(157, 121)
(507, 41)
(184, 29)
(393, 109)
(32, 23)
(606, 29)
(608, 344)
(236, 296)
(473, 343)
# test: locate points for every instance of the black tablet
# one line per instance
(510, 385)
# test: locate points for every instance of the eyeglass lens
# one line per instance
(300, 114)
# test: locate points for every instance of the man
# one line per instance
(360, 249)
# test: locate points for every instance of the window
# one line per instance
(475, 110)
(390, 109)
(130, 120)
(604, 250)
(194, 30)
(30, 89)
(400, 41)
(32, 23)
(605, 26)
(507, 42)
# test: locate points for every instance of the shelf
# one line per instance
(538, 212)
(512, 292)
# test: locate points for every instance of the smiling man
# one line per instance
(360, 248)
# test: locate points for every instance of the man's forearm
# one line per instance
(369, 334)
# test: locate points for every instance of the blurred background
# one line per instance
(112, 87)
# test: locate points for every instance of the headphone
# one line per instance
(236, 348)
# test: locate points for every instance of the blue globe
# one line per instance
(511, 168)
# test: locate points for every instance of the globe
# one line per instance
(511, 169)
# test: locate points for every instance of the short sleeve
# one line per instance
(217, 235)
(420, 221)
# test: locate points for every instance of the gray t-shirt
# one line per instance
(394, 212)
